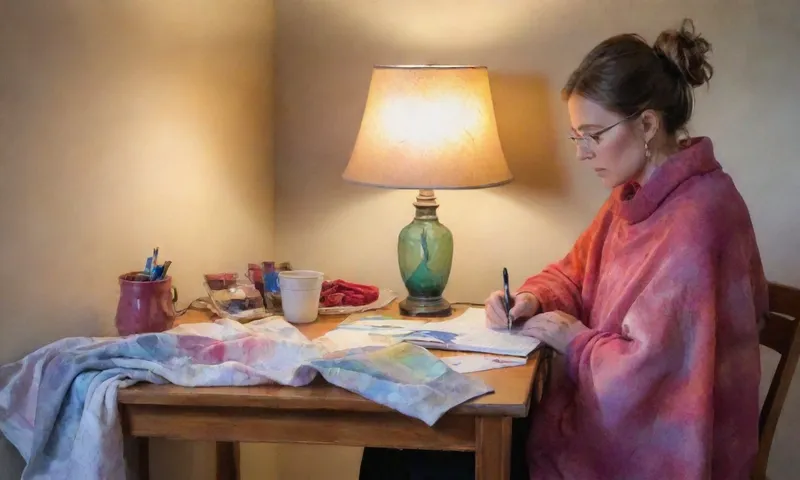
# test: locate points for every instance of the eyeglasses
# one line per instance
(589, 141)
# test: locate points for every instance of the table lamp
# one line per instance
(427, 127)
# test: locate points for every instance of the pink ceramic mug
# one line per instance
(145, 306)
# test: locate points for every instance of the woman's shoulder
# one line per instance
(709, 204)
(710, 194)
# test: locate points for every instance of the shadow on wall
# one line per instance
(525, 124)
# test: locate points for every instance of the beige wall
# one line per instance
(98, 100)
(325, 50)
(125, 125)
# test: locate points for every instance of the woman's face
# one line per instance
(617, 155)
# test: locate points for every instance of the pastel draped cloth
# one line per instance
(664, 383)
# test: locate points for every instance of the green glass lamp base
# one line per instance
(425, 256)
(425, 307)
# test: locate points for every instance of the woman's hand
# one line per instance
(524, 306)
(556, 329)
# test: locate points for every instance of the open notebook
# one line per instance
(466, 333)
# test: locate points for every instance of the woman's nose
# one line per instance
(583, 153)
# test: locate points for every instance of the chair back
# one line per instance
(779, 333)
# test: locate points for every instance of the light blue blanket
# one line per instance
(58, 405)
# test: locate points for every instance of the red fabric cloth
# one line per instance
(664, 384)
(340, 293)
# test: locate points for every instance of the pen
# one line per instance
(164, 270)
(148, 267)
(156, 274)
(154, 271)
(507, 297)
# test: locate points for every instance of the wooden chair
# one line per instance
(781, 334)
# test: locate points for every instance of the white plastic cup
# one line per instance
(300, 291)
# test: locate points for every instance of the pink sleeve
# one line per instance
(657, 379)
(559, 285)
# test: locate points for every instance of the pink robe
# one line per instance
(664, 383)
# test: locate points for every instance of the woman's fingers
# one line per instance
(557, 329)
(525, 305)
(495, 311)
(534, 331)
(520, 307)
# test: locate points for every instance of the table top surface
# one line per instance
(511, 396)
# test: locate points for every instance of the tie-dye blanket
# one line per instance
(58, 405)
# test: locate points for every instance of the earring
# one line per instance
(646, 151)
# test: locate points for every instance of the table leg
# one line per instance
(227, 460)
(492, 448)
(137, 457)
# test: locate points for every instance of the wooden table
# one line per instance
(321, 413)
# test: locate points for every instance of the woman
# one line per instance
(655, 309)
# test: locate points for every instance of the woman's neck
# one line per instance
(658, 156)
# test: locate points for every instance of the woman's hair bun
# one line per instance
(686, 53)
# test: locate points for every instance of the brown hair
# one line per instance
(626, 75)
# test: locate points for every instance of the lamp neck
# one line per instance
(426, 205)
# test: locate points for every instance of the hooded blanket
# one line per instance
(664, 383)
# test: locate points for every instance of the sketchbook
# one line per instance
(473, 362)
(466, 333)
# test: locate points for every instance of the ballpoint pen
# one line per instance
(164, 270)
(153, 272)
(507, 298)
(148, 267)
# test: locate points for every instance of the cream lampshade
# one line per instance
(428, 127)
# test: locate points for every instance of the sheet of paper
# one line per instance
(381, 324)
(340, 339)
(367, 330)
(479, 363)
(468, 332)
(472, 320)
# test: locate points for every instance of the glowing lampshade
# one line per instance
(428, 127)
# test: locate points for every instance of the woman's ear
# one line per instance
(650, 123)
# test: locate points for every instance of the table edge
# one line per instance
(209, 400)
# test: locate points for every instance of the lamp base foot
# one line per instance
(425, 307)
